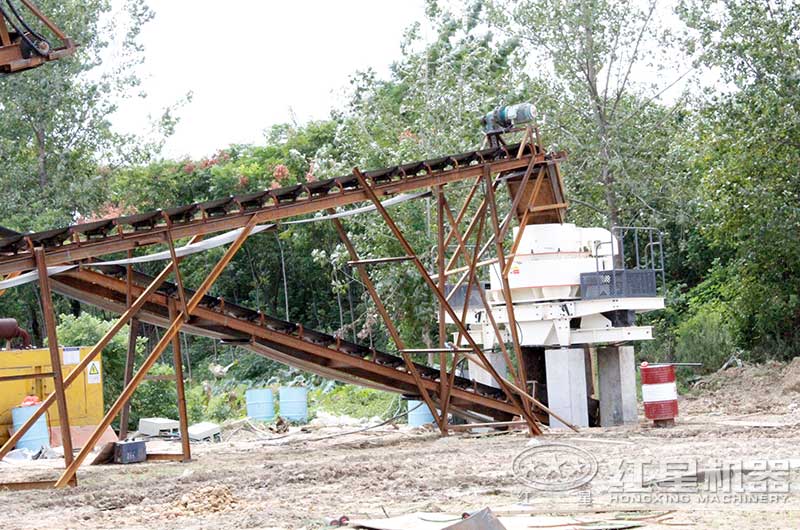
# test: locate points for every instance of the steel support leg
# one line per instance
(55, 357)
(130, 360)
(183, 416)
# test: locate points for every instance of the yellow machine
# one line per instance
(84, 396)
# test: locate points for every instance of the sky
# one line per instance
(253, 63)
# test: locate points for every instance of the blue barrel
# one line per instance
(419, 413)
(38, 435)
(260, 405)
(294, 403)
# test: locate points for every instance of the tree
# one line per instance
(55, 119)
(746, 141)
(602, 62)
(57, 145)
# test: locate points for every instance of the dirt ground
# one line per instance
(749, 414)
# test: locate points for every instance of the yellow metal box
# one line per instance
(84, 395)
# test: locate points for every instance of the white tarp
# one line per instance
(206, 244)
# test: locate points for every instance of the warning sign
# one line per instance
(94, 373)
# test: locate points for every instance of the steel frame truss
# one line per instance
(139, 299)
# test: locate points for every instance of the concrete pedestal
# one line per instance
(566, 386)
(480, 375)
(617, 377)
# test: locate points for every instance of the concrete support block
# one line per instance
(617, 374)
(566, 386)
(479, 374)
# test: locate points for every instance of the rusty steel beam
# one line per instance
(130, 240)
(532, 424)
(463, 210)
(33, 485)
(501, 261)
(292, 342)
(177, 359)
(55, 355)
(462, 245)
(440, 246)
(399, 343)
(130, 360)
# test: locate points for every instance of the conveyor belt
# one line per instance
(282, 341)
(91, 240)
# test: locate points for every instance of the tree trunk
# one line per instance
(609, 183)
(601, 117)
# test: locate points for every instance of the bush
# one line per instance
(355, 401)
(705, 337)
(87, 330)
(228, 404)
(196, 403)
(155, 399)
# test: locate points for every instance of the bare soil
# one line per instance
(300, 480)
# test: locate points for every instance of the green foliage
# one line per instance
(705, 337)
(87, 330)
(196, 403)
(55, 119)
(355, 401)
(747, 165)
(229, 404)
(154, 398)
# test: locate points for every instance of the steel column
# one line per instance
(55, 356)
(177, 358)
(130, 360)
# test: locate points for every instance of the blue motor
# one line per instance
(508, 116)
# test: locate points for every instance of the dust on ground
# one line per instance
(304, 479)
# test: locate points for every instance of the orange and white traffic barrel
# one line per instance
(659, 393)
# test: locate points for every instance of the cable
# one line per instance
(28, 28)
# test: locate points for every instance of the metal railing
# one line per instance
(633, 274)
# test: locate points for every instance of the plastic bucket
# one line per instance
(419, 413)
(38, 435)
(294, 403)
(260, 404)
